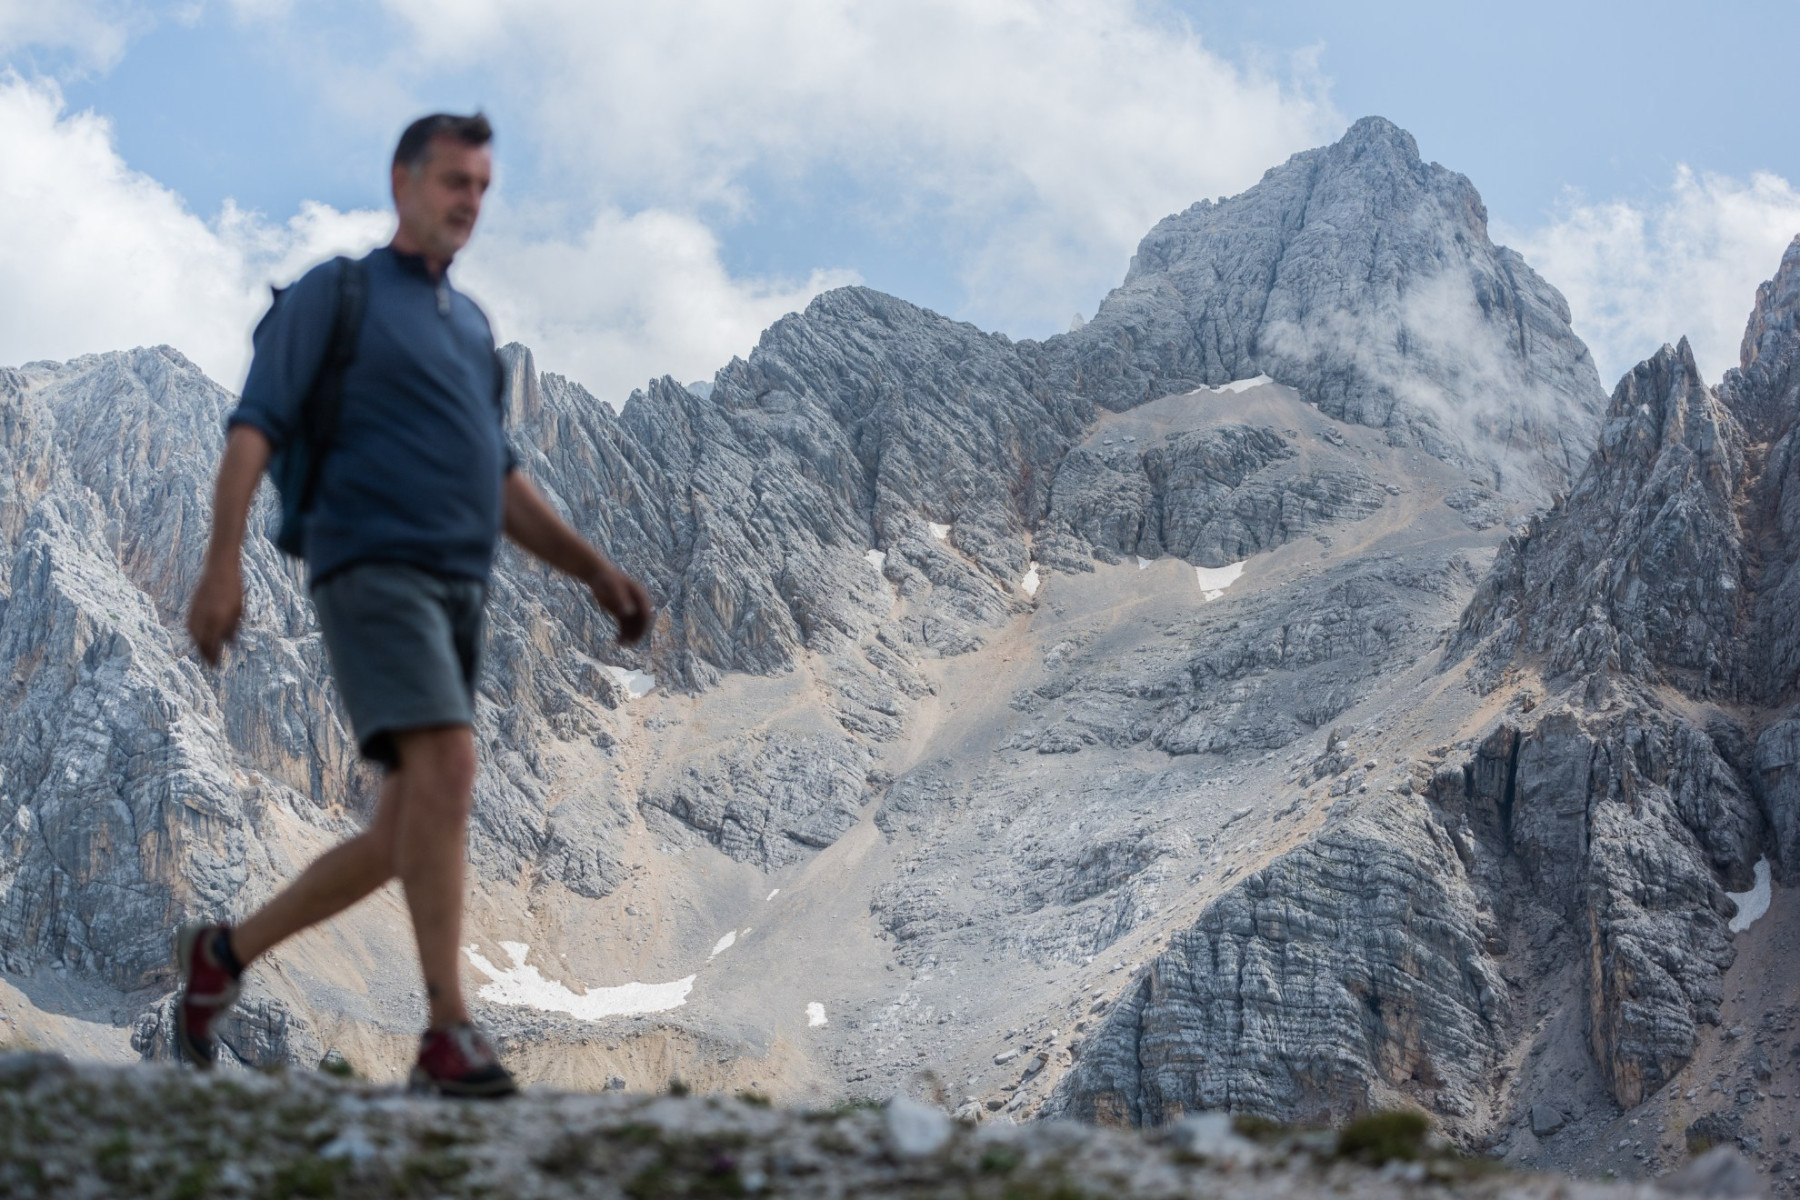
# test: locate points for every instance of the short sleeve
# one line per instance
(289, 346)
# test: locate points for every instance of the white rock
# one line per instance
(914, 1130)
(352, 1144)
(1210, 1136)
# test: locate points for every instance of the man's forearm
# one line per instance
(246, 456)
(534, 526)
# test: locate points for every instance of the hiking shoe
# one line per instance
(209, 985)
(457, 1060)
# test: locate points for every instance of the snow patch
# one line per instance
(637, 684)
(815, 1015)
(723, 944)
(876, 559)
(1031, 581)
(772, 895)
(1214, 580)
(940, 532)
(523, 986)
(1142, 562)
(1242, 385)
(1753, 903)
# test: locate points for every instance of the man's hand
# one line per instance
(218, 602)
(624, 598)
(534, 525)
(217, 607)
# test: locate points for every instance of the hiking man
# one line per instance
(399, 534)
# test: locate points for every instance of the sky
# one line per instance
(671, 178)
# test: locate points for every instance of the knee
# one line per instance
(438, 769)
(456, 770)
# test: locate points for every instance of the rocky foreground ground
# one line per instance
(72, 1130)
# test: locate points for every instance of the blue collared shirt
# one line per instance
(415, 472)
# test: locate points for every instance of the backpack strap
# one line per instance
(324, 402)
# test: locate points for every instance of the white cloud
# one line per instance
(92, 32)
(1038, 140)
(99, 257)
(631, 297)
(1639, 275)
(1048, 135)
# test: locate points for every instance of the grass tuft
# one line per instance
(1384, 1136)
(305, 1177)
(999, 1161)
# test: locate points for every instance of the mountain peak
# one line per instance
(1776, 318)
(1379, 133)
(1366, 280)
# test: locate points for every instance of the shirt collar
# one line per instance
(414, 264)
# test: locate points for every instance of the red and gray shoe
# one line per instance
(209, 985)
(456, 1060)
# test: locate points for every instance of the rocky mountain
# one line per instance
(1118, 725)
(1612, 832)
(1364, 278)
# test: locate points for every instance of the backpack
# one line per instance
(295, 466)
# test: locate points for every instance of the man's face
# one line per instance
(439, 201)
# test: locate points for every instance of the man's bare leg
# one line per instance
(436, 792)
(335, 880)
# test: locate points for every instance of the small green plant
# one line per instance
(440, 1139)
(637, 1133)
(308, 1177)
(650, 1183)
(424, 1171)
(753, 1098)
(1384, 1136)
(568, 1155)
(336, 1064)
(1060, 1189)
(999, 1161)
(113, 1158)
(678, 1088)
(195, 1183)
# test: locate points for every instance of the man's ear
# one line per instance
(395, 178)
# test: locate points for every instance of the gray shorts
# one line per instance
(405, 649)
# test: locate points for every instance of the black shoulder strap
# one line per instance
(324, 402)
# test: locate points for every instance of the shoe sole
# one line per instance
(420, 1083)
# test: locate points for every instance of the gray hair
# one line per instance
(415, 143)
